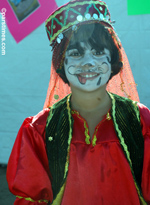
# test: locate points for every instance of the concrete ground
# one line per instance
(6, 198)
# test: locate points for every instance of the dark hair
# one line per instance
(97, 36)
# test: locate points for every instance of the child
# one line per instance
(91, 147)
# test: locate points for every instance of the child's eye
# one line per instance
(98, 53)
(74, 54)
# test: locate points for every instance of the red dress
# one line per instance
(98, 175)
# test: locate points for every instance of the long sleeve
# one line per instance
(28, 172)
(145, 123)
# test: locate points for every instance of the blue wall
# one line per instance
(24, 77)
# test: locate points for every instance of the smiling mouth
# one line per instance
(86, 76)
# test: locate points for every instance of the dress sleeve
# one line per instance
(145, 123)
(28, 172)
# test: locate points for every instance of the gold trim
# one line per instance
(59, 197)
(95, 133)
(137, 110)
(70, 135)
(75, 112)
(108, 117)
(87, 136)
(29, 199)
(122, 142)
(50, 114)
(119, 132)
(94, 140)
(87, 139)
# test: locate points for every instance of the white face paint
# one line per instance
(87, 69)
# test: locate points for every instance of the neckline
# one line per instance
(88, 139)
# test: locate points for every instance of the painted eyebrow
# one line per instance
(81, 49)
(76, 46)
(70, 47)
(97, 49)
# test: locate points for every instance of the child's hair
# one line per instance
(97, 36)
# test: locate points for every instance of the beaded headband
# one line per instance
(74, 13)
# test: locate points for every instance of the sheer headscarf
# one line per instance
(66, 20)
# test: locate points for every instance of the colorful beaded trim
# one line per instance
(75, 13)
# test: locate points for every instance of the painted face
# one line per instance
(87, 68)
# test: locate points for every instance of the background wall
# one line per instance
(25, 70)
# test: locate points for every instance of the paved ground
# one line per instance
(6, 198)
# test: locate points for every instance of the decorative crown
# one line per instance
(75, 13)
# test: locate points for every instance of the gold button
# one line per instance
(50, 139)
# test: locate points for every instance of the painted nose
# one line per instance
(88, 64)
(88, 61)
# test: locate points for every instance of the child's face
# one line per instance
(87, 68)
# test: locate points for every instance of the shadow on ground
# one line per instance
(6, 198)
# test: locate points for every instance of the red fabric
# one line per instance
(28, 170)
(97, 175)
(26, 202)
